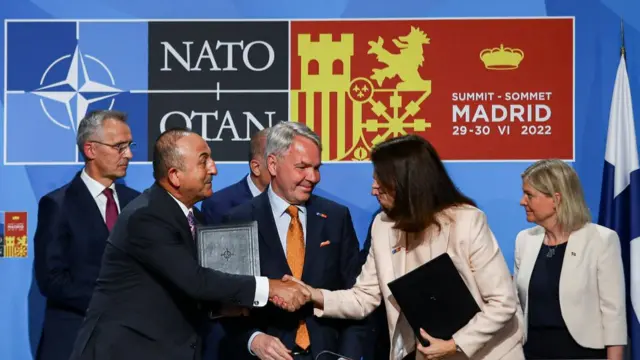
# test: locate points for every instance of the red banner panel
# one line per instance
(15, 235)
(478, 89)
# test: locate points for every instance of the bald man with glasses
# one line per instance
(74, 223)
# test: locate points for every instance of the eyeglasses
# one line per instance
(121, 147)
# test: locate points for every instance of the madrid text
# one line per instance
(498, 111)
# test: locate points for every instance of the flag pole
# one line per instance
(622, 49)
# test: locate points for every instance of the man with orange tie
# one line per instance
(74, 222)
(303, 235)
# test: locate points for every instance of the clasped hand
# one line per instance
(288, 295)
(437, 349)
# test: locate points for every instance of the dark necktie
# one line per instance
(192, 223)
(111, 214)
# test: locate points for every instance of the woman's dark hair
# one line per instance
(409, 168)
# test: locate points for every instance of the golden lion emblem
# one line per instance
(404, 64)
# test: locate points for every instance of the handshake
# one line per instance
(290, 293)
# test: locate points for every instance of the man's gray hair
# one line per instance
(281, 137)
(90, 126)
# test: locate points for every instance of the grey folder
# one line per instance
(230, 248)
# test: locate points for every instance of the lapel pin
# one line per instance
(325, 243)
(324, 216)
(396, 249)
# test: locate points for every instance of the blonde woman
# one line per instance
(568, 271)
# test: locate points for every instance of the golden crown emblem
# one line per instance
(501, 58)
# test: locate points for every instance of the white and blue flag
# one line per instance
(620, 199)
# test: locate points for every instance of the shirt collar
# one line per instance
(95, 188)
(252, 187)
(183, 207)
(279, 205)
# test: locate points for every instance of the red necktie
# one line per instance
(111, 215)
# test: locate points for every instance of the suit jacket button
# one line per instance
(193, 345)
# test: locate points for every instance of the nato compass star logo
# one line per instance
(77, 91)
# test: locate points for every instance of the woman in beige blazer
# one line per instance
(568, 271)
(425, 216)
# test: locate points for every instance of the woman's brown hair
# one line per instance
(409, 168)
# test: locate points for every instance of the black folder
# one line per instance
(435, 298)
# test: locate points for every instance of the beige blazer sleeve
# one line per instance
(612, 291)
(359, 301)
(493, 281)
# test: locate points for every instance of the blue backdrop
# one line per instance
(495, 186)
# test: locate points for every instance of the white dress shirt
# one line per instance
(97, 193)
(252, 187)
(261, 295)
(282, 220)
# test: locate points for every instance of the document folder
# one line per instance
(435, 298)
(230, 248)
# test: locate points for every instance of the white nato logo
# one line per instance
(78, 85)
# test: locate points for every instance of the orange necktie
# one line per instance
(295, 259)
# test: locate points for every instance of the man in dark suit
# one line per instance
(151, 297)
(301, 234)
(219, 204)
(216, 206)
(74, 222)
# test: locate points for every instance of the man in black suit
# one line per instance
(216, 206)
(301, 234)
(74, 222)
(151, 297)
